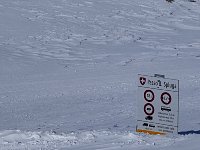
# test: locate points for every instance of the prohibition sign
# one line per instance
(148, 109)
(166, 98)
(149, 95)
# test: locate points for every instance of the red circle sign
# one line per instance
(166, 98)
(148, 109)
(149, 95)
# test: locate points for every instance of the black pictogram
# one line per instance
(148, 109)
(164, 108)
(149, 118)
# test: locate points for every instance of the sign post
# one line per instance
(158, 105)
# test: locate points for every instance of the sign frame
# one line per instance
(158, 105)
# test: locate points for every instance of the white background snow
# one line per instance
(68, 72)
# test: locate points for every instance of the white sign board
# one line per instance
(158, 105)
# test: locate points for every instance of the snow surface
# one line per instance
(68, 71)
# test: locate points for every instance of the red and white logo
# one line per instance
(142, 80)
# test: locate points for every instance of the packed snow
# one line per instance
(69, 71)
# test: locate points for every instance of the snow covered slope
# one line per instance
(68, 71)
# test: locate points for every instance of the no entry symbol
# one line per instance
(166, 98)
(149, 95)
(148, 109)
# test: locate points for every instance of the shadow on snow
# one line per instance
(189, 132)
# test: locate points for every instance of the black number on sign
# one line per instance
(166, 98)
(149, 95)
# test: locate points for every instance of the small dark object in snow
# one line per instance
(54, 132)
(192, 1)
(115, 126)
(170, 1)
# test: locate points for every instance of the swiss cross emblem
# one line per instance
(142, 80)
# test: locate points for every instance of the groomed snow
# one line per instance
(68, 71)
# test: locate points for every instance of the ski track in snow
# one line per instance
(68, 71)
(83, 30)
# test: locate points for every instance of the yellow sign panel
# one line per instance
(150, 132)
